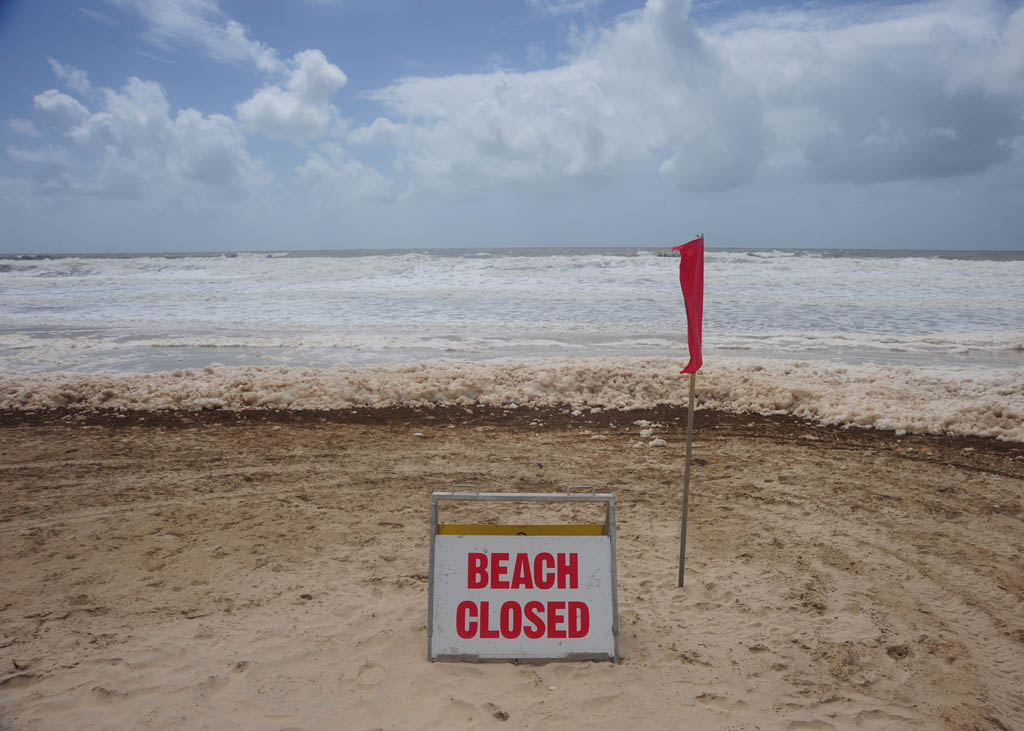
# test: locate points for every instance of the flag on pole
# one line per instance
(691, 279)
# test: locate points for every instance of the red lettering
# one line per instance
(486, 633)
(541, 579)
(477, 571)
(499, 570)
(579, 619)
(521, 578)
(548, 571)
(536, 628)
(511, 620)
(568, 568)
(565, 620)
(554, 619)
(465, 612)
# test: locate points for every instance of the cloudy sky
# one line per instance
(182, 125)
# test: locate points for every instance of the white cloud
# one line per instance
(645, 94)
(302, 109)
(76, 79)
(201, 23)
(332, 173)
(875, 93)
(46, 155)
(563, 7)
(211, 150)
(1001, 68)
(65, 111)
(860, 92)
(23, 127)
(134, 147)
(99, 17)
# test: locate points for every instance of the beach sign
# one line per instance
(522, 592)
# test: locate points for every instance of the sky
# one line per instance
(196, 125)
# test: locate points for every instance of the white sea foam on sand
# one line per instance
(959, 401)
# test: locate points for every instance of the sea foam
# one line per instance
(957, 401)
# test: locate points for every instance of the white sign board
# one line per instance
(517, 596)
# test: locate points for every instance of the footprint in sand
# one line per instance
(209, 686)
(720, 702)
(371, 674)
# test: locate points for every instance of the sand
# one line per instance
(268, 570)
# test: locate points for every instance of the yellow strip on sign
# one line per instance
(479, 529)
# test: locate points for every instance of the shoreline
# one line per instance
(961, 402)
(707, 422)
(722, 422)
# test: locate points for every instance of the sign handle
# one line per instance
(686, 478)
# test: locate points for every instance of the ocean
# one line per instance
(324, 309)
(914, 340)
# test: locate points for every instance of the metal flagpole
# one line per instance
(686, 478)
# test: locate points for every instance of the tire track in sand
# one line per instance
(88, 514)
(958, 598)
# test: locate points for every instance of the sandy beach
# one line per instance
(268, 570)
(275, 277)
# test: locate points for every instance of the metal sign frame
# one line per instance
(572, 495)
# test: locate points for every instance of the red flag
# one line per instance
(691, 279)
